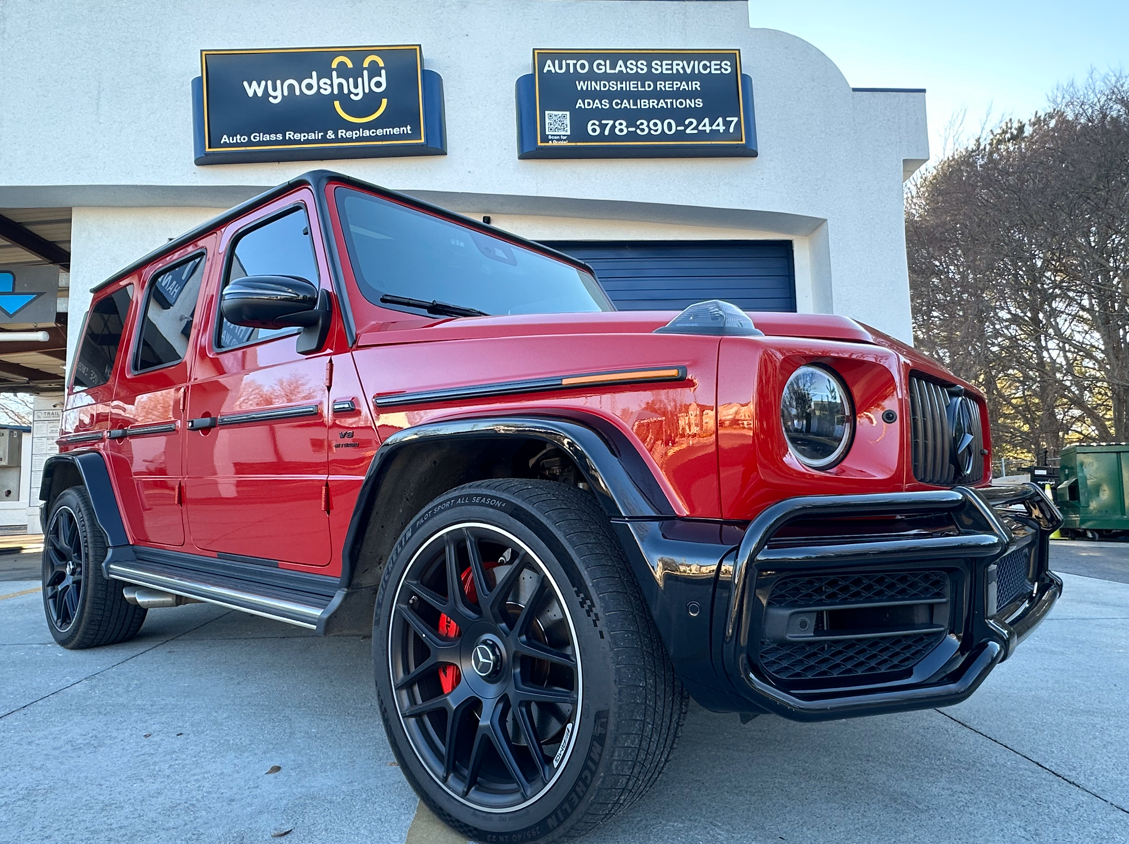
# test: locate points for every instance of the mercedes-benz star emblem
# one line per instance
(960, 422)
(484, 660)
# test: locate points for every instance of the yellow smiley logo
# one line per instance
(337, 103)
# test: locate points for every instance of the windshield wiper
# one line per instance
(432, 307)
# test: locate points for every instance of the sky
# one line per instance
(993, 56)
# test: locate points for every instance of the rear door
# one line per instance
(147, 423)
(256, 471)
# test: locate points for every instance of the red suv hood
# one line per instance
(820, 326)
(409, 328)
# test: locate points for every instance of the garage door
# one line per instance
(755, 275)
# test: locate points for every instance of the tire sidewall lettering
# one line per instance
(585, 777)
(441, 507)
(575, 797)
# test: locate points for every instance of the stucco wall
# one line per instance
(99, 115)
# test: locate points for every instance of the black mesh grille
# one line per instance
(846, 658)
(932, 435)
(875, 642)
(1011, 576)
(859, 589)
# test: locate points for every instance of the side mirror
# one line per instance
(279, 301)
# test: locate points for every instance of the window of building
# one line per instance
(100, 342)
(282, 246)
(169, 310)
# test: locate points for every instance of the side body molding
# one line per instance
(612, 468)
(91, 469)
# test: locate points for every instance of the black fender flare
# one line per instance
(611, 466)
(622, 482)
(91, 468)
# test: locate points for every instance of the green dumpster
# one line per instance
(1093, 490)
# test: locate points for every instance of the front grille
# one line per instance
(859, 588)
(846, 658)
(1011, 576)
(931, 427)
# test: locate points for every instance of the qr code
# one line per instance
(557, 123)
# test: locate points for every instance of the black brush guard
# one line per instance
(975, 591)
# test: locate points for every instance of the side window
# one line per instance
(170, 306)
(100, 342)
(282, 246)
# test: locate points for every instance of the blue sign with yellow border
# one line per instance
(635, 103)
(316, 103)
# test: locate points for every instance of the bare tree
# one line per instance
(1019, 268)
(15, 409)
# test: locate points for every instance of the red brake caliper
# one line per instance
(449, 675)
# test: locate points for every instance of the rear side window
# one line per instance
(170, 307)
(282, 246)
(100, 342)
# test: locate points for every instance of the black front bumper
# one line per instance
(815, 627)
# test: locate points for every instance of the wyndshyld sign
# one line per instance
(331, 102)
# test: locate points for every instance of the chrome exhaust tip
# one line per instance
(151, 599)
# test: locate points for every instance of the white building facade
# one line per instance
(97, 117)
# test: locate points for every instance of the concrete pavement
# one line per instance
(1106, 560)
(171, 737)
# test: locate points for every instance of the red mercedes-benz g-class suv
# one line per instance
(342, 408)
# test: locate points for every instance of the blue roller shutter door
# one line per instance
(755, 275)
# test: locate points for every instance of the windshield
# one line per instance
(399, 251)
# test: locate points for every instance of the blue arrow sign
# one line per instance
(12, 303)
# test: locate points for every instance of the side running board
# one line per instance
(258, 588)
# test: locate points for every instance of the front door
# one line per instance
(257, 468)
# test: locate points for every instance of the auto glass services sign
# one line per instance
(316, 103)
(635, 103)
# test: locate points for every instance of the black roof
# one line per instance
(317, 180)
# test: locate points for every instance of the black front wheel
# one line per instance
(83, 608)
(521, 680)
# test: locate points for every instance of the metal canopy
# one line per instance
(35, 236)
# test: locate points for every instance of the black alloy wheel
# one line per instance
(523, 686)
(84, 609)
(63, 569)
(485, 666)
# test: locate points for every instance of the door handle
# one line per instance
(203, 423)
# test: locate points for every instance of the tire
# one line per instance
(83, 608)
(561, 675)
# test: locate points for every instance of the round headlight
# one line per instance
(817, 417)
